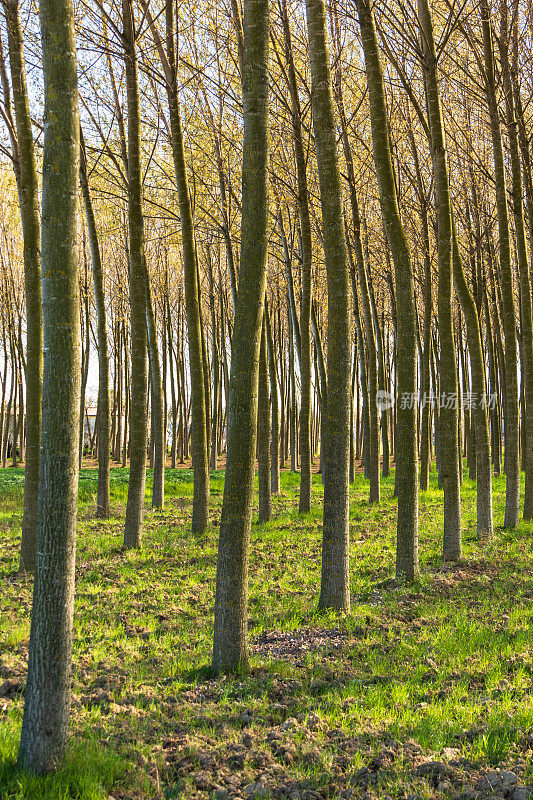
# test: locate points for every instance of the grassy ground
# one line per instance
(423, 691)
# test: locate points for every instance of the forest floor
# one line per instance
(423, 691)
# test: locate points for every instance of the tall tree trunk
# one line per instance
(4, 425)
(216, 363)
(47, 696)
(174, 406)
(28, 190)
(230, 648)
(205, 363)
(383, 386)
(372, 456)
(352, 390)
(104, 421)
(263, 433)
(335, 582)
(292, 386)
(425, 372)
(274, 395)
(8, 426)
(510, 76)
(127, 427)
(323, 387)
(362, 367)
(306, 255)
(14, 460)
(85, 355)
(448, 372)
(405, 437)
(493, 388)
(138, 402)
(512, 465)
(158, 411)
(479, 387)
(200, 455)
(115, 441)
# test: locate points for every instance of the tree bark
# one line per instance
(372, 455)
(511, 464)
(479, 387)
(199, 410)
(138, 402)
(85, 353)
(306, 255)
(158, 412)
(274, 395)
(28, 192)
(104, 421)
(263, 433)
(510, 77)
(335, 582)
(405, 438)
(425, 371)
(47, 695)
(216, 363)
(230, 648)
(448, 371)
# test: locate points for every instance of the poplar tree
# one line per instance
(448, 373)
(509, 67)
(263, 433)
(306, 257)
(104, 411)
(407, 566)
(137, 281)
(335, 582)
(511, 462)
(197, 363)
(230, 647)
(28, 193)
(47, 695)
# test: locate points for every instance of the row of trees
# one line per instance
(385, 158)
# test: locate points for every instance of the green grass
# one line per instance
(88, 769)
(444, 663)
